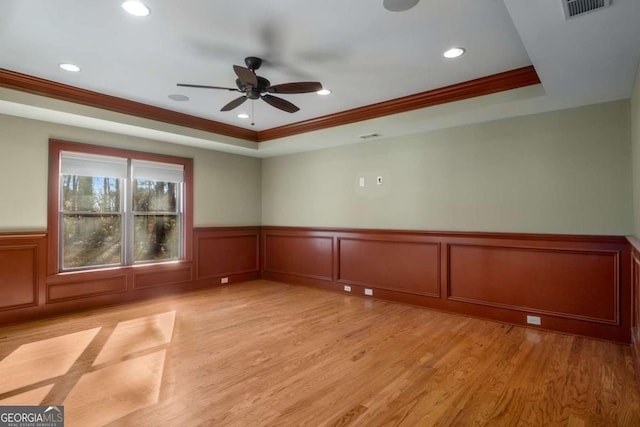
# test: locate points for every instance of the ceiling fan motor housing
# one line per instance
(252, 62)
(254, 92)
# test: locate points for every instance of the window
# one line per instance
(91, 210)
(157, 213)
(118, 207)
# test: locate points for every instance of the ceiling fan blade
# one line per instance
(207, 87)
(298, 87)
(280, 103)
(233, 104)
(246, 76)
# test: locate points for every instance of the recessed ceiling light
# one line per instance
(136, 8)
(243, 116)
(454, 52)
(69, 67)
(178, 97)
(399, 5)
(323, 92)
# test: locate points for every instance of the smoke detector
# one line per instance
(580, 7)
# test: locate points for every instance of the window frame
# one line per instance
(56, 147)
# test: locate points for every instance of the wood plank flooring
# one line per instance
(266, 353)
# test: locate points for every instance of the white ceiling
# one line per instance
(362, 52)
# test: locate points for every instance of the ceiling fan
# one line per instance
(253, 86)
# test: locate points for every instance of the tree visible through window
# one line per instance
(119, 211)
(156, 220)
(91, 221)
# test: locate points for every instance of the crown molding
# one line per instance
(63, 92)
(507, 80)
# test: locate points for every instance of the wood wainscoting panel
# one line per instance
(406, 266)
(635, 305)
(27, 292)
(18, 276)
(151, 276)
(84, 287)
(306, 255)
(576, 284)
(635, 295)
(22, 270)
(223, 252)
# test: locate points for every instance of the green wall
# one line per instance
(564, 172)
(227, 187)
(560, 172)
(635, 142)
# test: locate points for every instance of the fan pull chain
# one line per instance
(252, 104)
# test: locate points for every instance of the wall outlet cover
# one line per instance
(224, 280)
(534, 320)
(347, 288)
(368, 292)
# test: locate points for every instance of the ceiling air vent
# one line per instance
(370, 135)
(580, 7)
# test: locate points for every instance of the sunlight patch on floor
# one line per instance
(31, 397)
(110, 393)
(43, 360)
(136, 335)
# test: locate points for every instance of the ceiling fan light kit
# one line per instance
(254, 87)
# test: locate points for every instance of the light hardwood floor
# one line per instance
(265, 353)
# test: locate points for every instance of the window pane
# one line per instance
(156, 237)
(90, 240)
(154, 196)
(90, 194)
